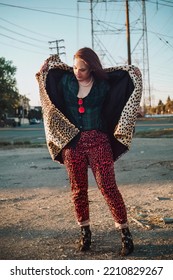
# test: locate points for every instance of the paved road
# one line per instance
(149, 160)
(156, 124)
(26, 133)
(35, 133)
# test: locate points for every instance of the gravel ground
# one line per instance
(36, 213)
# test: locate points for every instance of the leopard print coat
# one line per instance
(60, 131)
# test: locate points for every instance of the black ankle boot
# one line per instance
(85, 241)
(127, 242)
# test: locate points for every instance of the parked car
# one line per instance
(10, 122)
(34, 121)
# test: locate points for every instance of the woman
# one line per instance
(89, 115)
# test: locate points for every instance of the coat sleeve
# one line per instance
(59, 131)
(125, 128)
(122, 106)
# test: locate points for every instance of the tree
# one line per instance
(9, 96)
(160, 109)
(169, 105)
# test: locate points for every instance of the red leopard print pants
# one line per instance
(93, 149)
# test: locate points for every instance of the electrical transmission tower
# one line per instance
(97, 29)
(146, 68)
(95, 41)
(140, 50)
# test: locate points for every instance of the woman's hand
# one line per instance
(137, 72)
(44, 67)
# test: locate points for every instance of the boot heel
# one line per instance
(127, 243)
(85, 241)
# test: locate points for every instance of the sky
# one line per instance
(28, 26)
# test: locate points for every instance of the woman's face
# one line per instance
(81, 70)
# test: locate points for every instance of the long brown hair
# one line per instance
(93, 61)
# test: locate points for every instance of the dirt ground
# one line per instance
(37, 218)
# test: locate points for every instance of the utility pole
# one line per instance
(128, 33)
(57, 47)
(94, 37)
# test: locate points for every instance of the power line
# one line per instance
(166, 5)
(28, 37)
(165, 42)
(160, 34)
(41, 11)
(54, 13)
(26, 29)
(19, 48)
(20, 41)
